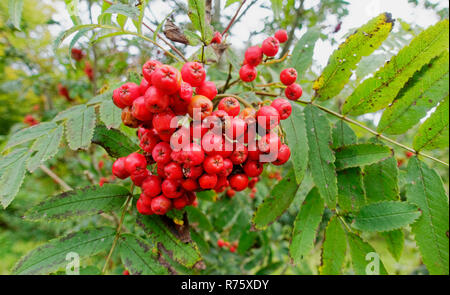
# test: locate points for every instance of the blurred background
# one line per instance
(36, 83)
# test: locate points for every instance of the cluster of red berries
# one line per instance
(30, 120)
(231, 246)
(205, 150)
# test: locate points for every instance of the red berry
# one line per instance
(161, 153)
(161, 205)
(213, 164)
(181, 202)
(222, 184)
(293, 91)
(231, 193)
(253, 151)
(186, 92)
(165, 122)
(139, 177)
(144, 86)
(172, 188)
(409, 154)
(227, 168)
(143, 208)
(284, 153)
(281, 36)
(148, 141)
(233, 249)
(167, 78)
(149, 68)
(268, 117)
(236, 129)
(140, 111)
(240, 155)
(230, 105)
(156, 100)
(77, 54)
(160, 169)
(239, 182)
(253, 168)
(254, 56)
(270, 46)
(220, 243)
(102, 181)
(135, 163)
(208, 181)
(126, 94)
(173, 171)
(248, 73)
(180, 139)
(193, 155)
(208, 89)
(189, 184)
(200, 107)
(217, 38)
(118, 169)
(192, 172)
(126, 273)
(101, 164)
(269, 143)
(193, 73)
(288, 76)
(283, 107)
(151, 186)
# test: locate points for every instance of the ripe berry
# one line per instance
(77, 54)
(293, 91)
(144, 86)
(253, 151)
(269, 143)
(162, 122)
(220, 243)
(200, 107)
(126, 273)
(148, 141)
(288, 76)
(254, 56)
(143, 208)
(231, 193)
(409, 154)
(281, 36)
(180, 139)
(161, 205)
(189, 184)
(135, 162)
(239, 182)
(230, 105)
(208, 89)
(284, 153)
(283, 107)
(222, 184)
(227, 168)
(248, 73)
(217, 38)
(167, 78)
(149, 68)
(173, 171)
(151, 186)
(156, 100)
(161, 153)
(270, 46)
(192, 172)
(213, 164)
(172, 188)
(186, 92)
(208, 181)
(181, 202)
(253, 168)
(239, 155)
(193, 155)
(236, 129)
(193, 73)
(118, 169)
(128, 119)
(268, 117)
(127, 93)
(233, 249)
(140, 111)
(139, 177)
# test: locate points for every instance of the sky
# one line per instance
(360, 11)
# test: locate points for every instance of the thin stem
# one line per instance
(56, 178)
(273, 84)
(225, 87)
(343, 221)
(240, 99)
(119, 229)
(274, 61)
(234, 18)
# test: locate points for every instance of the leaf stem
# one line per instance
(234, 18)
(274, 61)
(119, 229)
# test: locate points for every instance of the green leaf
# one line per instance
(138, 23)
(306, 225)
(364, 256)
(351, 191)
(334, 248)
(277, 7)
(344, 60)
(121, 20)
(80, 129)
(63, 35)
(385, 216)
(192, 37)
(379, 91)
(294, 127)
(74, 111)
(381, 181)
(110, 114)
(160, 25)
(426, 190)
(229, 2)
(29, 134)
(15, 8)
(422, 93)
(343, 135)
(105, 95)
(321, 157)
(276, 203)
(74, 41)
(115, 143)
(197, 14)
(198, 219)
(51, 257)
(433, 133)
(139, 257)
(12, 176)
(80, 202)
(45, 147)
(124, 9)
(303, 51)
(361, 155)
(72, 9)
(183, 252)
(394, 240)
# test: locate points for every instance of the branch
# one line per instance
(234, 18)
(56, 178)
